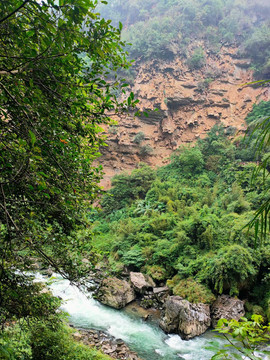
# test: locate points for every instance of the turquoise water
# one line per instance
(147, 339)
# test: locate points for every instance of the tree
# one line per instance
(261, 130)
(58, 78)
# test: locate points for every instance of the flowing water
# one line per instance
(150, 342)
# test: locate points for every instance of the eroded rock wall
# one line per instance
(189, 103)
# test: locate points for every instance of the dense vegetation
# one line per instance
(184, 222)
(162, 29)
(44, 339)
(55, 61)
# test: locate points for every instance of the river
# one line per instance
(145, 338)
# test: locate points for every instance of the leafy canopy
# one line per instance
(57, 85)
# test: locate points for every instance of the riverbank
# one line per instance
(109, 345)
(143, 337)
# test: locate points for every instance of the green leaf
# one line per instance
(32, 137)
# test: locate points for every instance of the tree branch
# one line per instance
(14, 11)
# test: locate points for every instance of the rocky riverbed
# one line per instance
(177, 315)
(116, 348)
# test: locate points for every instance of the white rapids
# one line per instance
(146, 339)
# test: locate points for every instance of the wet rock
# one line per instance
(227, 307)
(115, 293)
(141, 282)
(186, 319)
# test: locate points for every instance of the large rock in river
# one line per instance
(141, 282)
(227, 307)
(186, 319)
(115, 293)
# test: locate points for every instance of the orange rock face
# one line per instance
(189, 103)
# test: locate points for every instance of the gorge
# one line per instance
(146, 186)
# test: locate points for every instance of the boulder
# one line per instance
(141, 282)
(227, 307)
(186, 319)
(115, 293)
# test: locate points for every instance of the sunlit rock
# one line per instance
(115, 293)
(186, 319)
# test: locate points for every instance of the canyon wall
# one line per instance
(189, 103)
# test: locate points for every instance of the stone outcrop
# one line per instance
(115, 293)
(189, 103)
(186, 319)
(141, 282)
(156, 298)
(227, 307)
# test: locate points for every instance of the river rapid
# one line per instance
(145, 338)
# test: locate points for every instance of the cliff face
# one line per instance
(189, 103)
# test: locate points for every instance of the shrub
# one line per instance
(138, 138)
(229, 268)
(193, 291)
(146, 150)
(190, 161)
(156, 272)
(204, 84)
(197, 60)
(134, 258)
(126, 187)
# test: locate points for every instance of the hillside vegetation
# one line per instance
(184, 222)
(162, 28)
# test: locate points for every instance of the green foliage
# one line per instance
(57, 63)
(257, 47)
(138, 138)
(186, 162)
(44, 340)
(229, 268)
(192, 291)
(197, 59)
(260, 141)
(259, 112)
(21, 298)
(244, 338)
(164, 29)
(134, 258)
(145, 150)
(128, 187)
(156, 272)
(188, 223)
(190, 160)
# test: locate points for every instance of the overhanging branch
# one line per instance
(14, 11)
